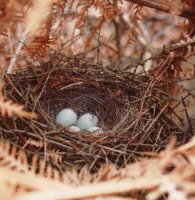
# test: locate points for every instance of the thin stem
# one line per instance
(13, 60)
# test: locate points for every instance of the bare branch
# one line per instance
(186, 11)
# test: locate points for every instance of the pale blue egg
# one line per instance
(66, 117)
(86, 121)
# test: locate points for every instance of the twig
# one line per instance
(14, 59)
(186, 11)
(58, 144)
(147, 132)
(43, 88)
(71, 85)
(98, 189)
(187, 115)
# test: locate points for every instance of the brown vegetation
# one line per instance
(129, 62)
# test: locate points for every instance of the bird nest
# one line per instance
(127, 106)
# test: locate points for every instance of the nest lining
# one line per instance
(127, 108)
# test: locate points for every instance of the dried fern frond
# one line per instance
(36, 27)
(8, 10)
(173, 167)
(32, 142)
(108, 10)
(17, 176)
(19, 184)
(135, 30)
(89, 17)
(8, 108)
(12, 158)
(54, 155)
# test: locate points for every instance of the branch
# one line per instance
(185, 11)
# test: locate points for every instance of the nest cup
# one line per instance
(85, 93)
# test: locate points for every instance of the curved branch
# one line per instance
(184, 11)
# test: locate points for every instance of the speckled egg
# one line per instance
(95, 129)
(86, 121)
(74, 129)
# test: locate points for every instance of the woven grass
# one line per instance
(132, 110)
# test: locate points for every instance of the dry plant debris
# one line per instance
(168, 174)
(95, 56)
